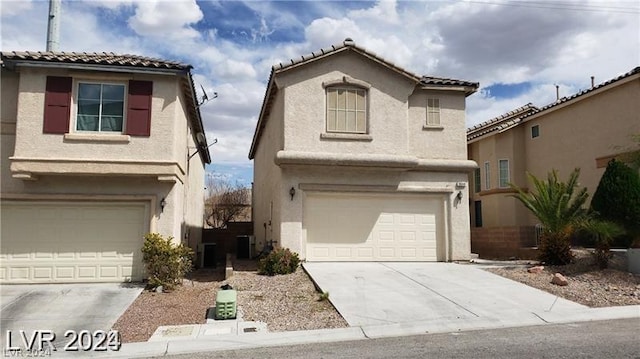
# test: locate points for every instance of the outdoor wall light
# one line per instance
(459, 196)
(292, 192)
(163, 202)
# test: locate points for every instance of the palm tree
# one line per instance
(560, 209)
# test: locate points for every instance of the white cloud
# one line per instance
(158, 18)
(13, 8)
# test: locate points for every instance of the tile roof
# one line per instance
(93, 58)
(501, 122)
(519, 115)
(350, 44)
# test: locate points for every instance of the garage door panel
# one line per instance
(369, 227)
(72, 241)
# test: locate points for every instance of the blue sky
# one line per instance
(517, 50)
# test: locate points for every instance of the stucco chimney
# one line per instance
(53, 26)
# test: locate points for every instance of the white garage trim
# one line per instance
(72, 241)
(374, 227)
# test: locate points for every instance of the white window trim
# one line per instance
(429, 124)
(538, 126)
(366, 108)
(487, 175)
(74, 108)
(500, 173)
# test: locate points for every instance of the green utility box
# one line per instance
(226, 304)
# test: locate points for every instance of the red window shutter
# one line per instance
(139, 108)
(57, 104)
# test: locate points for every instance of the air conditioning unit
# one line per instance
(208, 255)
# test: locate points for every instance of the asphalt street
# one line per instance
(599, 339)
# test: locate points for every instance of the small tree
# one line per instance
(226, 203)
(617, 198)
(559, 208)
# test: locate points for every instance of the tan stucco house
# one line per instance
(98, 149)
(357, 159)
(584, 130)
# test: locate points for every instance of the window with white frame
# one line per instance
(476, 180)
(433, 112)
(503, 173)
(346, 110)
(535, 131)
(487, 175)
(100, 107)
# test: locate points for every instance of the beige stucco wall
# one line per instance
(572, 135)
(170, 141)
(575, 135)
(395, 119)
(33, 144)
(396, 112)
(267, 177)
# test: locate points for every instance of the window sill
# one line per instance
(96, 138)
(432, 128)
(346, 136)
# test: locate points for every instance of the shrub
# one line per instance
(617, 199)
(279, 261)
(166, 263)
(602, 233)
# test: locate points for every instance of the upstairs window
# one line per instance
(476, 180)
(346, 110)
(433, 112)
(535, 131)
(487, 175)
(100, 107)
(503, 175)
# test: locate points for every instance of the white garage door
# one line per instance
(58, 242)
(373, 227)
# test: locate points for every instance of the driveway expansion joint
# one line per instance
(431, 290)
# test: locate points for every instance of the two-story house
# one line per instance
(583, 130)
(98, 149)
(357, 159)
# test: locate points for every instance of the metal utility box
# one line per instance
(226, 301)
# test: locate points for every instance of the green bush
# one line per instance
(166, 263)
(617, 199)
(279, 261)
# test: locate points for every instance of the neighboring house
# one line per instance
(98, 149)
(357, 159)
(584, 130)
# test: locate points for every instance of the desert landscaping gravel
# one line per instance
(588, 284)
(284, 302)
(291, 302)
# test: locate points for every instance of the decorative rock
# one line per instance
(559, 279)
(159, 289)
(536, 269)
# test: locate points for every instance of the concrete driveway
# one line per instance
(444, 294)
(62, 307)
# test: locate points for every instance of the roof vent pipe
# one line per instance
(557, 92)
(53, 26)
(593, 84)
